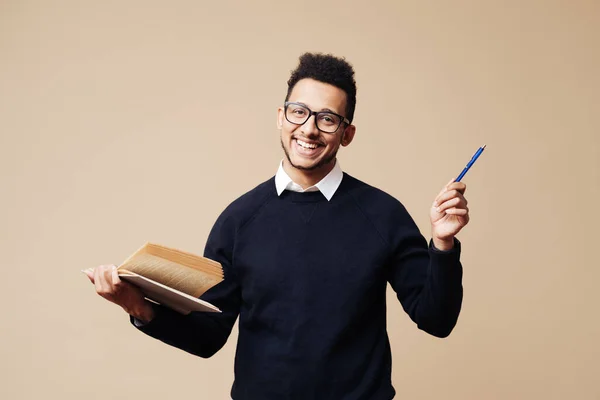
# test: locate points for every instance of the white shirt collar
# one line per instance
(328, 185)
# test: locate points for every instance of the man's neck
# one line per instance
(307, 178)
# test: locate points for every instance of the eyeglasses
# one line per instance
(326, 121)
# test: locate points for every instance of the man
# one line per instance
(307, 256)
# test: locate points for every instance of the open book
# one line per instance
(172, 278)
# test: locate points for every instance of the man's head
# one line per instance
(321, 84)
(327, 69)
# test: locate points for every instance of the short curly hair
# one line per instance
(329, 69)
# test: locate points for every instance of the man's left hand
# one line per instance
(449, 214)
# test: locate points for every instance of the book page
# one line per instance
(178, 301)
(184, 258)
(177, 276)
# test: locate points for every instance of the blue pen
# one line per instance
(470, 164)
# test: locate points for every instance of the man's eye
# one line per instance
(328, 119)
(299, 111)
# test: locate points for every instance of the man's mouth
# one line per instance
(307, 148)
(307, 145)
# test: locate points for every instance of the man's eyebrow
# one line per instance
(322, 109)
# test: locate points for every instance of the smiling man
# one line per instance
(307, 257)
(311, 144)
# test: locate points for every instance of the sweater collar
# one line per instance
(327, 186)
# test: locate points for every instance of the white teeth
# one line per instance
(306, 145)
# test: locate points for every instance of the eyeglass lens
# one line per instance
(326, 121)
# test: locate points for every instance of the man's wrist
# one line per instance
(443, 244)
(143, 313)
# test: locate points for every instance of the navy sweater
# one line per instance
(308, 278)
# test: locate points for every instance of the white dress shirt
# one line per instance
(328, 185)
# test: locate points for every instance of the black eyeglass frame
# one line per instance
(316, 114)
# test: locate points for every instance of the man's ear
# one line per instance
(348, 135)
(280, 117)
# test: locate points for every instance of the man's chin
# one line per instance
(310, 165)
(305, 165)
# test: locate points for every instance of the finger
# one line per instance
(444, 190)
(102, 283)
(117, 283)
(108, 284)
(457, 211)
(458, 186)
(448, 196)
(97, 279)
(89, 273)
(452, 203)
(445, 197)
(115, 276)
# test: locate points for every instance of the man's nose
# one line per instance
(309, 128)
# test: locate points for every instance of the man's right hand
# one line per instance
(112, 288)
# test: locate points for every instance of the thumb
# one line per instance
(89, 273)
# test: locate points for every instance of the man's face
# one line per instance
(306, 148)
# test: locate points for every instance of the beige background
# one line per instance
(123, 122)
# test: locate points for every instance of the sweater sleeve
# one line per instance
(427, 281)
(203, 333)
